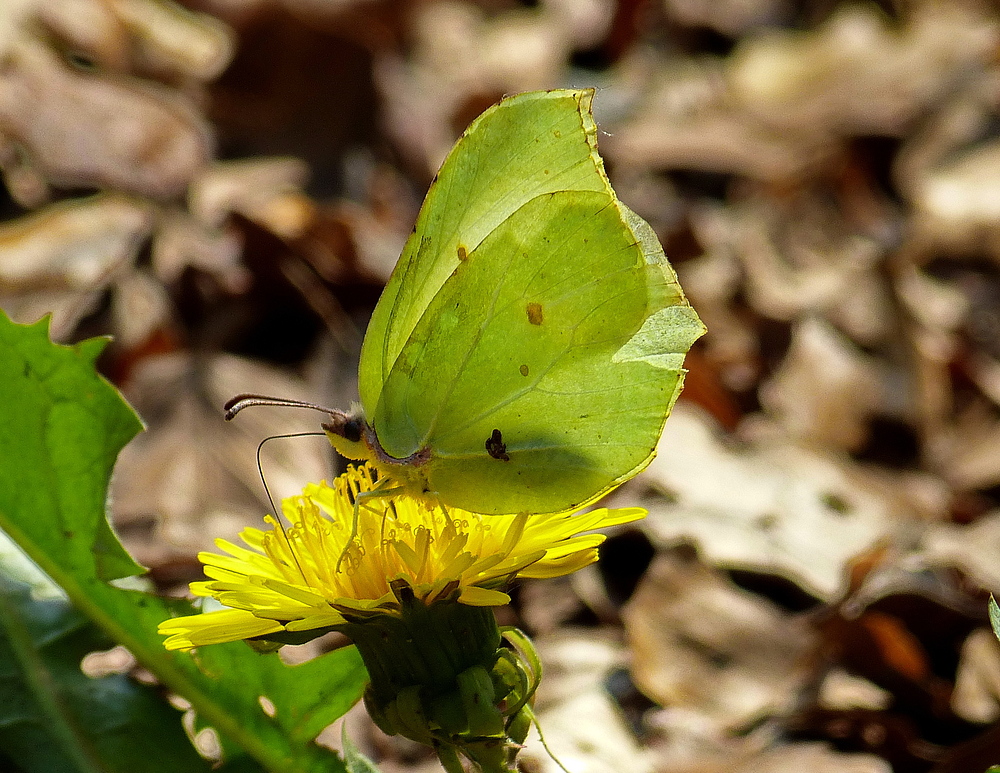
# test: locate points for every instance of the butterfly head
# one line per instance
(347, 433)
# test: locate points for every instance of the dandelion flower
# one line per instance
(412, 584)
(325, 571)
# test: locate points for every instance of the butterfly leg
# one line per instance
(382, 490)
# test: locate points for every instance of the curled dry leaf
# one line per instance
(711, 283)
(700, 643)
(805, 260)
(730, 17)
(258, 188)
(688, 745)
(774, 507)
(812, 757)
(461, 54)
(140, 35)
(933, 303)
(87, 26)
(985, 371)
(947, 171)
(972, 548)
(689, 120)
(196, 474)
(182, 241)
(515, 50)
(967, 450)
(104, 123)
(60, 259)
(545, 605)
(841, 691)
(140, 306)
(825, 389)
(858, 73)
(170, 40)
(83, 130)
(961, 197)
(13, 15)
(977, 683)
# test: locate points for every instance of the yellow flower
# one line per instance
(325, 570)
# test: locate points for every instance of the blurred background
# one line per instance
(224, 186)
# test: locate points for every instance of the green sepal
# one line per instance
(475, 688)
(272, 642)
(519, 725)
(379, 714)
(409, 716)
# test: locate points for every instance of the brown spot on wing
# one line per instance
(495, 446)
(535, 313)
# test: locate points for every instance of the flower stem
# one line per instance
(450, 760)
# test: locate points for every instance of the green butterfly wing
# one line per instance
(532, 369)
(529, 144)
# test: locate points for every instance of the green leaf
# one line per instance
(356, 762)
(61, 430)
(55, 718)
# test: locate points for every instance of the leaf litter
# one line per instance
(223, 186)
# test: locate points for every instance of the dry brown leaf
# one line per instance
(159, 37)
(711, 283)
(687, 745)
(730, 17)
(196, 474)
(811, 757)
(60, 259)
(461, 53)
(84, 130)
(806, 260)
(967, 450)
(584, 728)
(985, 371)
(935, 304)
(700, 643)
(87, 27)
(825, 389)
(169, 39)
(547, 604)
(858, 73)
(254, 188)
(183, 242)
(685, 118)
(962, 196)
(841, 690)
(13, 15)
(140, 306)
(947, 171)
(972, 548)
(774, 507)
(977, 682)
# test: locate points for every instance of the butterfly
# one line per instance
(529, 345)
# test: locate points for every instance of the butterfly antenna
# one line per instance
(260, 471)
(238, 403)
